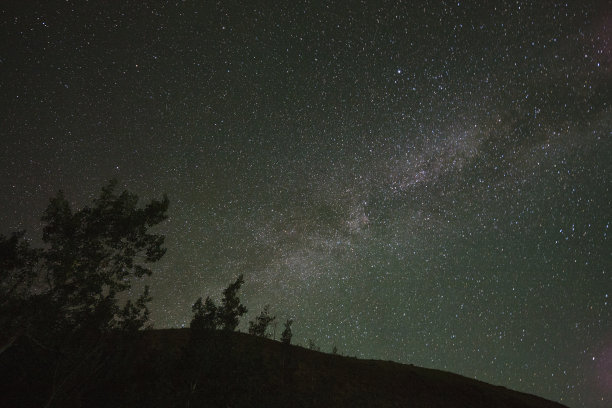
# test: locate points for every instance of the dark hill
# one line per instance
(169, 368)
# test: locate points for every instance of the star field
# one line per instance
(424, 182)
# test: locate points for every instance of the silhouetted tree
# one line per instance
(205, 315)
(286, 335)
(64, 299)
(90, 257)
(134, 316)
(260, 326)
(17, 275)
(312, 345)
(231, 309)
(17, 272)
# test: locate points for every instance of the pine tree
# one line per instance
(231, 309)
(260, 326)
(313, 346)
(92, 254)
(286, 335)
(89, 259)
(17, 275)
(205, 315)
(69, 297)
(134, 316)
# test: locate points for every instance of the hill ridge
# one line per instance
(392, 382)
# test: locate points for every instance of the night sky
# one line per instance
(424, 182)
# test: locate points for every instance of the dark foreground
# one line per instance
(170, 368)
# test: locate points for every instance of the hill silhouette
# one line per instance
(172, 368)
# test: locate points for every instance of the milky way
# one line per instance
(424, 182)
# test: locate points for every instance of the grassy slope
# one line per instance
(318, 379)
